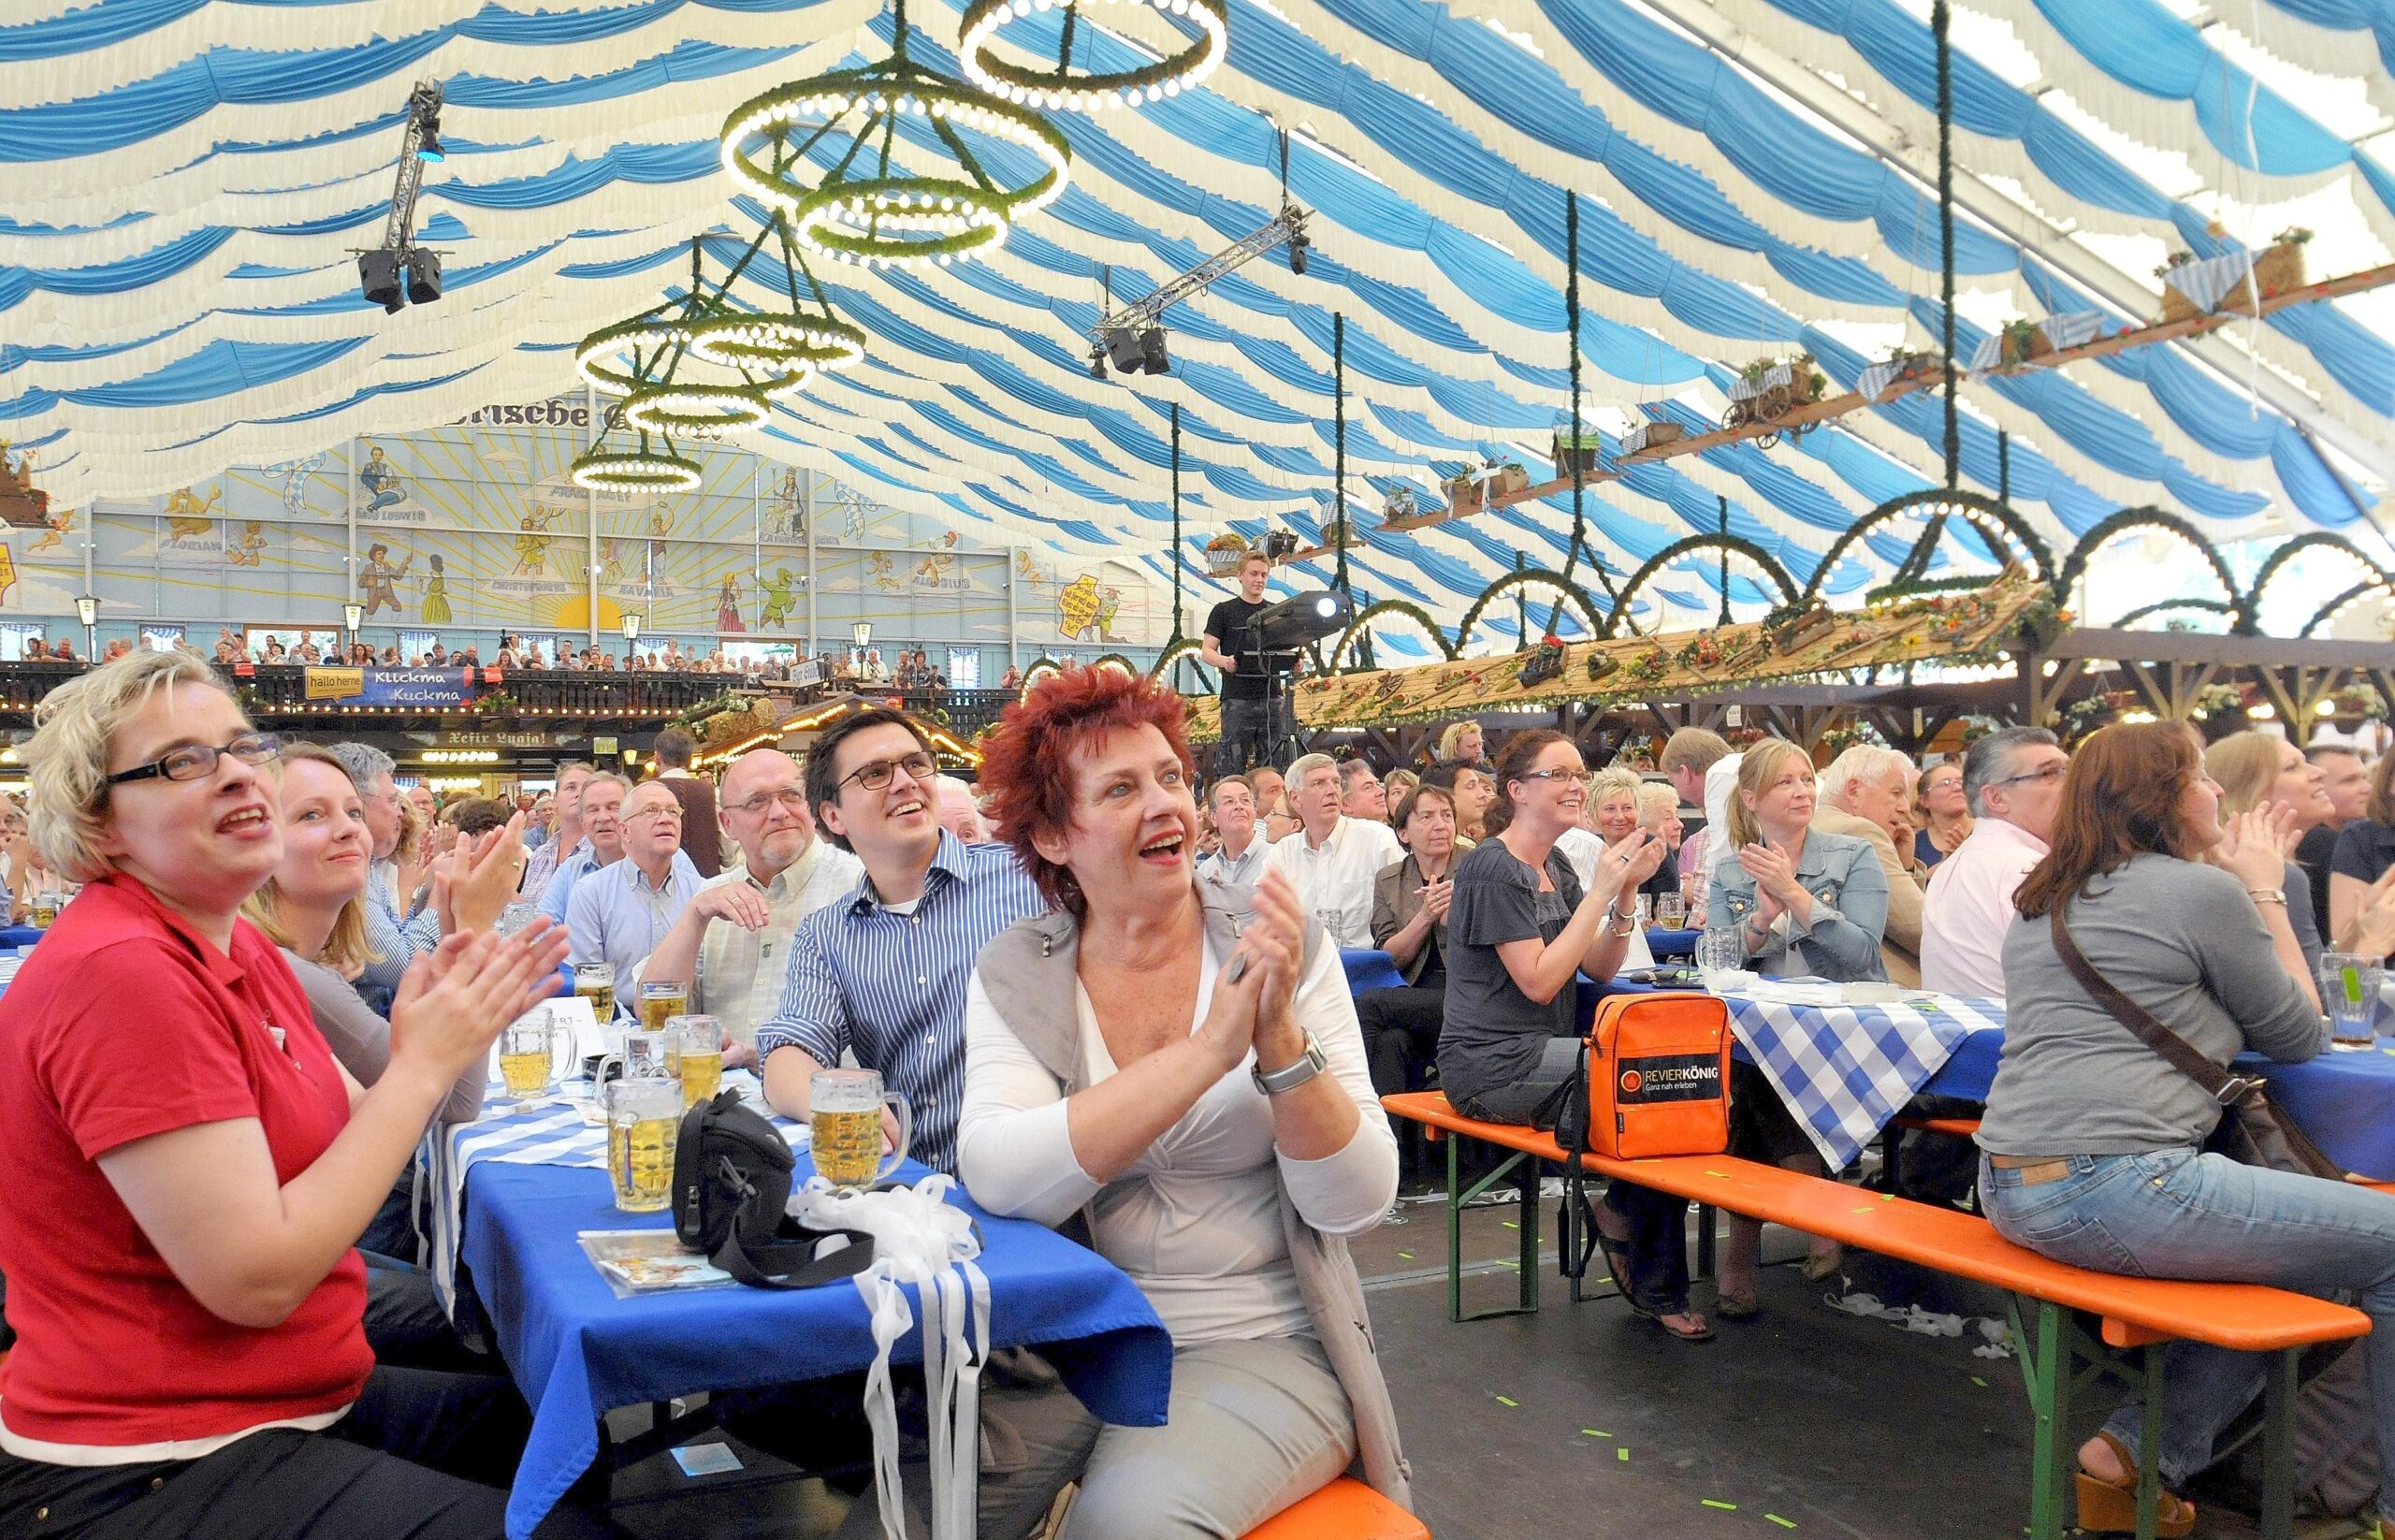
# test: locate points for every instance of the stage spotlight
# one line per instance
(1098, 363)
(1298, 247)
(1306, 618)
(378, 275)
(424, 276)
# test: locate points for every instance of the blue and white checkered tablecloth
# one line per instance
(546, 1132)
(1844, 1070)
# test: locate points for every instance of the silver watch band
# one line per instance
(1294, 1074)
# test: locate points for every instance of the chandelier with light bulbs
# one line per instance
(1091, 91)
(599, 469)
(867, 208)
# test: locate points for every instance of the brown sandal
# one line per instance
(2110, 1507)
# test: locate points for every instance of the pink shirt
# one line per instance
(1969, 908)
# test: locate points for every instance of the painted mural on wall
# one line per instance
(478, 525)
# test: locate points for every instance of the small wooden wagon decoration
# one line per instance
(1793, 633)
(1767, 391)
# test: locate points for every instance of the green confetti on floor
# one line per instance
(1981, 1383)
(1406, 1255)
(1516, 1265)
(1783, 1523)
(1725, 1507)
(1622, 1455)
(1507, 1400)
(1509, 1224)
(1596, 1432)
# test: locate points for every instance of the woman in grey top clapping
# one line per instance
(2093, 1142)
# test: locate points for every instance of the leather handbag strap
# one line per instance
(794, 1264)
(2149, 1029)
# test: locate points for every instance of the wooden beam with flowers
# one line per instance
(1794, 643)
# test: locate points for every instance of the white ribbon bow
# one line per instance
(919, 1238)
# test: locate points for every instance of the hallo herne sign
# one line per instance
(418, 687)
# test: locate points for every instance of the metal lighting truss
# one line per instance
(1289, 225)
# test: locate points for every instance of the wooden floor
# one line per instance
(1586, 1423)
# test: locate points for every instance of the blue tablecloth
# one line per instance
(1672, 943)
(20, 935)
(1370, 969)
(2344, 1101)
(1844, 1070)
(576, 1350)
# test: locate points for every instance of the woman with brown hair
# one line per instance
(1522, 931)
(1178, 1062)
(2092, 1144)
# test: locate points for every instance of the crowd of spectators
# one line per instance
(1043, 965)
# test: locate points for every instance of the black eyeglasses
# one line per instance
(2049, 773)
(195, 761)
(876, 776)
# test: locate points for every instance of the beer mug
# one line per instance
(643, 1055)
(1720, 951)
(1671, 910)
(661, 1003)
(845, 1113)
(644, 1115)
(46, 906)
(528, 1052)
(696, 1043)
(596, 982)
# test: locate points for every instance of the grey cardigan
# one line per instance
(1028, 971)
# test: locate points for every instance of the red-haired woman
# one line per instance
(2093, 1142)
(1180, 1064)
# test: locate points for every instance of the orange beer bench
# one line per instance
(2135, 1316)
(1344, 1510)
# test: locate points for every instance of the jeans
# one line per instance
(2176, 1213)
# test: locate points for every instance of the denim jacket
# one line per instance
(1849, 910)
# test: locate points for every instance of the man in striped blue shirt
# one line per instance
(883, 973)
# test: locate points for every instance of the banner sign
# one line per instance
(417, 687)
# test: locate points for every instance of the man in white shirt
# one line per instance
(1332, 860)
(619, 913)
(1240, 860)
(731, 944)
(1702, 769)
(2013, 778)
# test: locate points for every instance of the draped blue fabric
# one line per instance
(1001, 378)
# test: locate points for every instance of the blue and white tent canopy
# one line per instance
(182, 182)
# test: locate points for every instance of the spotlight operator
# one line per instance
(1248, 696)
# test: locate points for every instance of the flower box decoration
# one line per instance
(1546, 662)
(1225, 553)
(1469, 491)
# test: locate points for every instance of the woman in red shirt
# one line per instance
(187, 1167)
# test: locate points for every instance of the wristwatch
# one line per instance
(1290, 1076)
